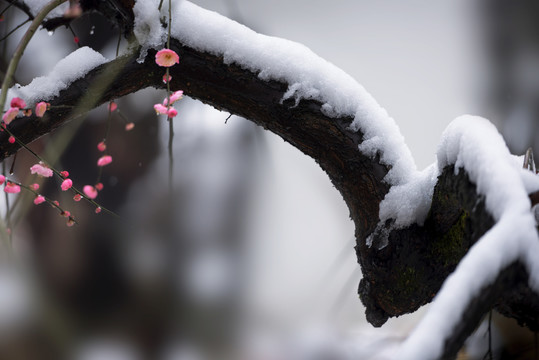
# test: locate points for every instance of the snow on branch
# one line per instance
(413, 228)
(473, 145)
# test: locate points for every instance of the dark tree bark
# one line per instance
(397, 278)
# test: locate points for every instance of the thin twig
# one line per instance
(6, 9)
(15, 29)
(8, 211)
(170, 123)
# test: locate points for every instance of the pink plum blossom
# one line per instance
(10, 115)
(172, 112)
(166, 58)
(39, 199)
(101, 146)
(41, 170)
(66, 184)
(175, 96)
(41, 107)
(12, 188)
(17, 102)
(129, 126)
(90, 191)
(160, 109)
(104, 160)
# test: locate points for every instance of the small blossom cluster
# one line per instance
(165, 108)
(19, 105)
(167, 58)
(90, 191)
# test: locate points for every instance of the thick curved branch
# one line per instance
(398, 278)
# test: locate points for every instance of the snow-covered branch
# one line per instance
(467, 215)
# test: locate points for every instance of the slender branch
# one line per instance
(15, 29)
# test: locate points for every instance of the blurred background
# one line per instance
(253, 257)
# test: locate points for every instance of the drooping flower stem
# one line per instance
(8, 210)
(169, 118)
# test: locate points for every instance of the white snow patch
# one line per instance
(410, 202)
(148, 28)
(474, 144)
(74, 66)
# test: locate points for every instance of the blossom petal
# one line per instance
(104, 160)
(166, 58)
(41, 170)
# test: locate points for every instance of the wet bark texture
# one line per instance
(397, 278)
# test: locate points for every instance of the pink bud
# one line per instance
(77, 197)
(39, 199)
(90, 191)
(17, 102)
(129, 126)
(101, 146)
(99, 186)
(172, 113)
(64, 174)
(165, 79)
(98, 210)
(66, 184)
(70, 222)
(112, 106)
(11, 140)
(2, 179)
(35, 187)
(104, 160)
